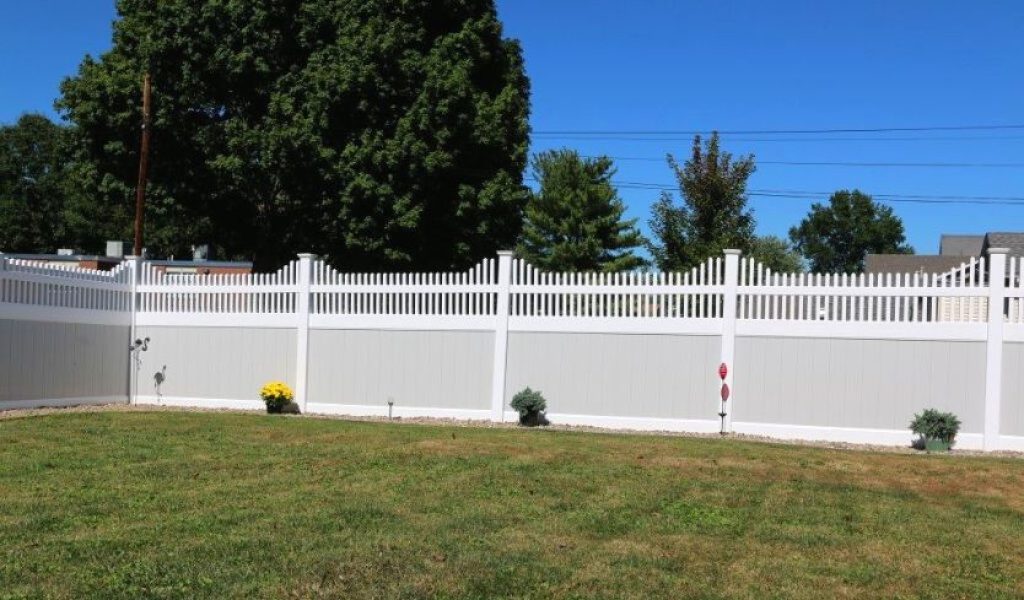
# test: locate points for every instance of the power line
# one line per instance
(950, 165)
(617, 138)
(814, 195)
(782, 131)
(1007, 202)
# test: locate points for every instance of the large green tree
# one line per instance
(35, 187)
(776, 254)
(713, 215)
(836, 238)
(574, 222)
(382, 134)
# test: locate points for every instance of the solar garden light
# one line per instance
(723, 370)
(391, 404)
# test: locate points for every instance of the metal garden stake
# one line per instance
(723, 371)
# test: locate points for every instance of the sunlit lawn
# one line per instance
(216, 505)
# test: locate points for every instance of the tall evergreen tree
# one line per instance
(382, 134)
(713, 215)
(836, 238)
(574, 222)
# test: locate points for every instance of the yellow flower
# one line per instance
(277, 390)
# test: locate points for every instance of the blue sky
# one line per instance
(669, 65)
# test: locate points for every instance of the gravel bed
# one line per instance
(35, 412)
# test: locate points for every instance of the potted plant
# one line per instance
(937, 429)
(531, 406)
(276, 395)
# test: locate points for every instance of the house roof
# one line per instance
(212, 264)
(955, 244)
(1013, 241)
(912, 263)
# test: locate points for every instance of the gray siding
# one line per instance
(875, 384)
(438, 369)
(229, 363)
(636, 375)
(1012, 412)
(52, 361)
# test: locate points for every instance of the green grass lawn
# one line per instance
(190, 505)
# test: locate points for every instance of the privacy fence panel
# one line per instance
(845, 357)
(1011, 417)
(64, 334)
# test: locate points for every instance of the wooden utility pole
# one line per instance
(140, 190)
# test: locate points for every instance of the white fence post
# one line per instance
(501, 336)
(302, 303)
(994, 349)
(729, 294)
(134, 265)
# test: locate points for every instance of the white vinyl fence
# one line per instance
(810, 356)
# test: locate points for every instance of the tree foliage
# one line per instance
(34, 185)
(668, 243)
(384, 135)
(713, 215)
(776, 254)
(574, 222)
(837, 237)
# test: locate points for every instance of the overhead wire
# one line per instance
(997, 127)
(617, 138)
(818, 195)
(935, 165)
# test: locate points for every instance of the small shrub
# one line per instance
(276, 395)
(934, 425)
(531, 406)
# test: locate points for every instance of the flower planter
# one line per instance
(277, 396)
(533, 419)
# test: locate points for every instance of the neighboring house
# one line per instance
(952, 244)
(952, 265)
(115, 255)
(201, 267)
(70, 260)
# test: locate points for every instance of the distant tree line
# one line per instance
(381, 135)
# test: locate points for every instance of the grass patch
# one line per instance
(213, 505)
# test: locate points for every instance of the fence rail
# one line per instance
(693, 295)
(467, 293)
(33, 283)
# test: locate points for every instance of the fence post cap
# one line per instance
(307, 255)
(998, 251)
(732, 251)
(506, 252)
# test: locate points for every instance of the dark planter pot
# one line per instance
(533, 419)
(275, 409)
(936, 445)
